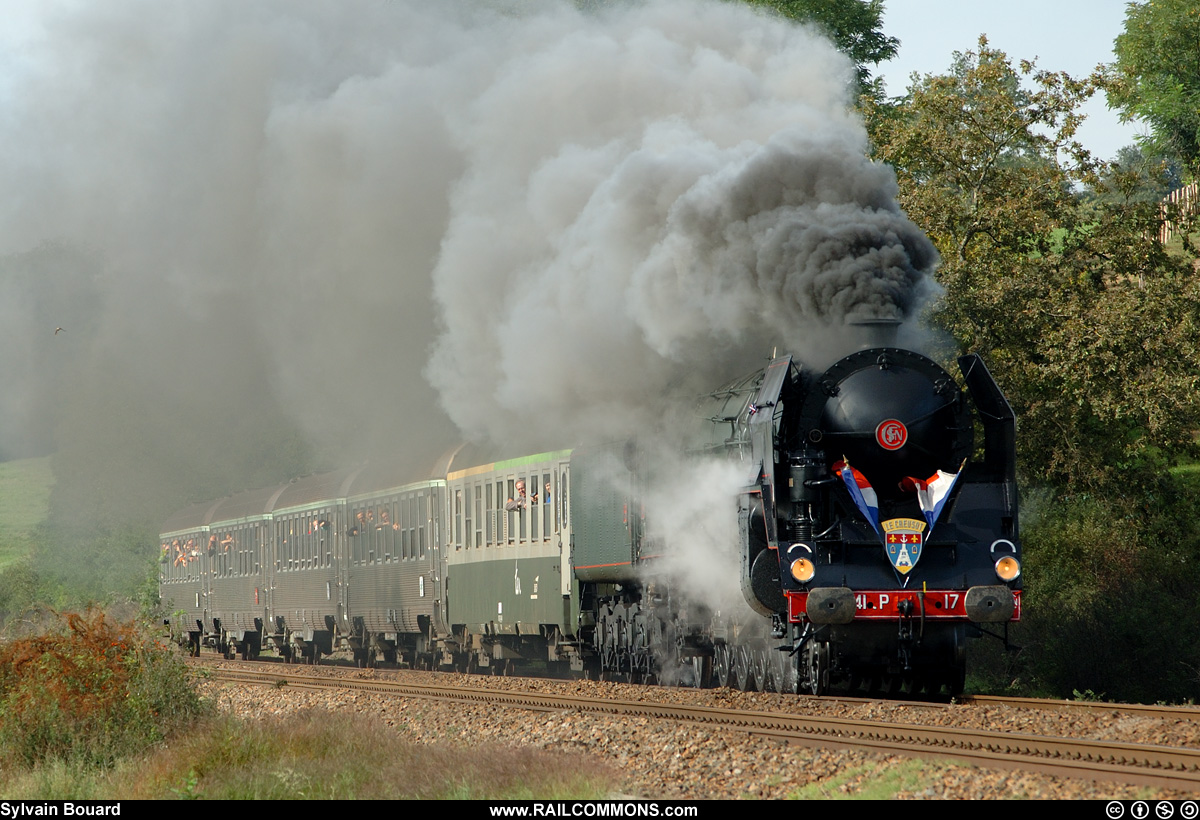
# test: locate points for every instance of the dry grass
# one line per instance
(319, 755)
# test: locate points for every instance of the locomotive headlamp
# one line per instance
(803, 570)
(1008, 568)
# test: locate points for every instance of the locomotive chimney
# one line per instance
(875, 332)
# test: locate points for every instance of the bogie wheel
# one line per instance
(722, 664)
(760, 665)
(743, 668)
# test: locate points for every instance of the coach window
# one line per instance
(285, 544)
(523, 514)
(321, 526)
(501, 515)
(546, 502)
(416, 518)
(469, 525)
(490, 515)
(565, 500)
(479, 515)
(397, 516)
(557, 504)
(511, 528)
(412, 526)
(532, 500)
(391, 530)
(422, 520)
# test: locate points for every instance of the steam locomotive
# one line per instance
(873, 538)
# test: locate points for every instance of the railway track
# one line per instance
(1124, 762)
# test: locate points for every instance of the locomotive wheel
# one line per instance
(777, 663)
(760, 666)
(789, 677)
(721, 664)
(743, 668)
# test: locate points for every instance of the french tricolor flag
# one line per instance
(933, 492)
(861, 491)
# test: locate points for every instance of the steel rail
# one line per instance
(1160, 711)
(1132, 763)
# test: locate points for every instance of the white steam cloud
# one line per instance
(546, 222)
(653, 200)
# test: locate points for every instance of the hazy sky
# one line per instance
(1063, 35)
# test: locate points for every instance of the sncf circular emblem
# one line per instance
(891, 434)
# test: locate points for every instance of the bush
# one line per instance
(89, 693)
(1110, 599)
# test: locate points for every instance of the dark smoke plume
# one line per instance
(677, 199)
(285, 234)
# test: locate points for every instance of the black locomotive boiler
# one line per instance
(874, 537)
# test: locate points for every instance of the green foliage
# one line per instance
(25, 487)
(1113, 599)
(853, 25)
(89, 694)
(80, 567)
(1091, 327)
(1052, 270)
(1156, 77)
(1137, 175)
(20, 589)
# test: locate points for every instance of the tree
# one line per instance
(853, 25)
(1138, 176)
(1054, 273)
(1156, 77)
(1090, 326)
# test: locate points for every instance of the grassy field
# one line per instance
(316, 756)
(24, 497)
